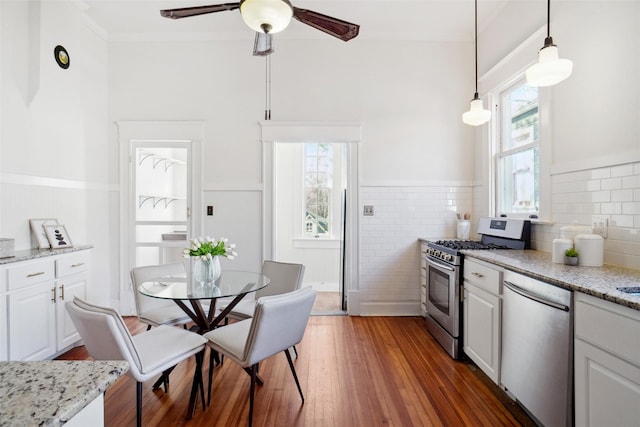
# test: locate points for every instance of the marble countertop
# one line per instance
(28, 254)
(600, 282)
(49, 393)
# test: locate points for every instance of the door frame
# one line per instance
(349, 133)
(162, 132)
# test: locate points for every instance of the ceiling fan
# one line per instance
(267, 17)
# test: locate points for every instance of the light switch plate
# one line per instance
(368, 210)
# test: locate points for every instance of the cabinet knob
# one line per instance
(77, 265)
(478, 275)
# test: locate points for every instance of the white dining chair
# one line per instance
(154, 311)
(278, 323)
(149, 354)
(284, 277)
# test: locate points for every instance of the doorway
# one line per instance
(273, 134)
(160, 186)
(310, 188)
(161, 201)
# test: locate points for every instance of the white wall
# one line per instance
(53, 142)
(594, 116)
(407, 96)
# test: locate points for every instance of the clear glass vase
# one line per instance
(206, 271)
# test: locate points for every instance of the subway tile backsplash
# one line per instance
(610, 194)
(388, 239)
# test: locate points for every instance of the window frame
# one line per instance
(330, 190)
(502, 135)
(504, 75)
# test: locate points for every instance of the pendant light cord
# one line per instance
(476, 46)
(267, 84)
(548, 18)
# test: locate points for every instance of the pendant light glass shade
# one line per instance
(476, 115)
(266, 16)
(550, 69)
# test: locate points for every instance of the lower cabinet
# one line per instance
(38, 325)
(607, 363)
(482, 315)
(32, 320)
(423, 279)
(482, 329)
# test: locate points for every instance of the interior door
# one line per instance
(161, 202)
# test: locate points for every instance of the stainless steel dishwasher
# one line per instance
(537, 348)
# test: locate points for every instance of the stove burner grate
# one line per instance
(468, 244)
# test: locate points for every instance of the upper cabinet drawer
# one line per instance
(71, 264)
(29, 273)
(483, 275)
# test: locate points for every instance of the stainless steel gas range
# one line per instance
(444, 261)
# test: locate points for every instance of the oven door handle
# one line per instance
(439, 265)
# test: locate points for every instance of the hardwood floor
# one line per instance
(354, 371)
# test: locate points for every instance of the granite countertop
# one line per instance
(600, 282)
(50, 393)
(41, 253)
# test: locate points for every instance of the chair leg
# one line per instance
(254, 374)
(148, 327)
(295, 350)
(210, 375)
(196, 386)
(139, 404)
(293, 371)
(163, 380)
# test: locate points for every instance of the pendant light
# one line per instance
(550, 69)
(476, 115)
(266, 16)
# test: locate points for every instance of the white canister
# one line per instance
(571, 231)
(590, 249)
(559, 246)
(464, 227)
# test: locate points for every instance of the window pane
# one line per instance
(311, 196)
(521, 116)
(518, 182)
(318, 163)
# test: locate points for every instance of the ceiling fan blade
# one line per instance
(343, 30)
(185, 12)
(263, 44)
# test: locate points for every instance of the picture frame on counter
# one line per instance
(58, 236)
(37, 228)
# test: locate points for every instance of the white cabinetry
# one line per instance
(607, 363)
(482, 315)
(423, 279)
(38, 325)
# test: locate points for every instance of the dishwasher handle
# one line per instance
(534, 297)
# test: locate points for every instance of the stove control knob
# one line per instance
(448, 258)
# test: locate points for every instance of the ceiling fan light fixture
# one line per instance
(266, 16)
(476, 115)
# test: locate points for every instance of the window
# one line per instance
(517, 151)
(318, 185)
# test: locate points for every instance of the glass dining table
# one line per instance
(188, 294)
